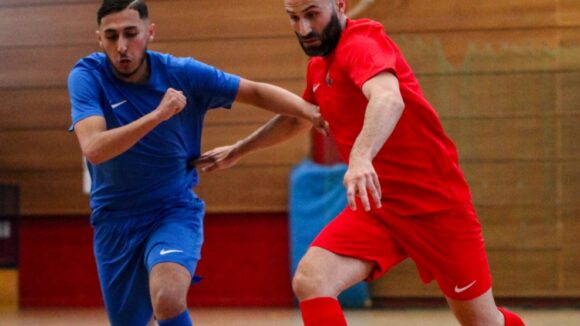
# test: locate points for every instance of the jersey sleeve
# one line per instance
(217, 88)
(368, 55)
(84, 96)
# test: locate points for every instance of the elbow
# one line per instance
(398, 105)
(94, 156)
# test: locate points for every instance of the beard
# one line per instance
(328, 38)
(131, 73)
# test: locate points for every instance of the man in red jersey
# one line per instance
(403, 172)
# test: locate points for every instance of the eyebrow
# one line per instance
(304, 10)
(112, 30)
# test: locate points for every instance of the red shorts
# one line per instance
(446, 246)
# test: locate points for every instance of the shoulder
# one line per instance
(91, 62)
(88, 68)
(364, 27)
(363, 32)
(172, 63)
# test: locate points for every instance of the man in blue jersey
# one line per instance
(138, 117)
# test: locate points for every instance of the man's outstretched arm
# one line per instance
(279, 101)
(275, 131)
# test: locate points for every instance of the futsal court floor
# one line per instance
(283, 317)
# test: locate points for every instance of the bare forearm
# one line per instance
(275, 131)
(108, 144)
(274, 99)
(381, 117)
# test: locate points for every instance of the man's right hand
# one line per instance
(218, 158)
(172, 103)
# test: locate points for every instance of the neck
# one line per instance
(140, 75)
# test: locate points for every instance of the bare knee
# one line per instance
(480, 311)
(309, 282)
(168, 302)
(168, 284)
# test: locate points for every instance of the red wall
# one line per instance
(245, 262)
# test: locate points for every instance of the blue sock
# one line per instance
(181, 320)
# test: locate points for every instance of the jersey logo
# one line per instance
(463, 289)
(164, 252)
(118, 104)
(315, 88)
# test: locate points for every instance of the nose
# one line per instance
(122, 45)
(304, 27)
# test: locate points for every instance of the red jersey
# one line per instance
(418, 164)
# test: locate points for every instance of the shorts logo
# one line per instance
(463, 289)
(164, 252)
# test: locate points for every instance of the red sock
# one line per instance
(511, 319)
(322, 312)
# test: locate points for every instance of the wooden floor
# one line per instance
(284, 317)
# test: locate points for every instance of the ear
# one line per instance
(341, 6)
(99, 38)
(151, 31)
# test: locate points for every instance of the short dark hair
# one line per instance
(112, 6)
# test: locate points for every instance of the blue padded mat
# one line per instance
(316, 197)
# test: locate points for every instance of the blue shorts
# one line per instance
(126, 249)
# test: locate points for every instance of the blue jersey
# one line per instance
(154, 172)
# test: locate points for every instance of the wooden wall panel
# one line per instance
(246, 189)
(209, 19)
(80, 26)
(512, 184)
(54, 192)
(39, 68)
(415, 16)
(569, 97)
(570, 136)
(513, 227)
(503, 139)
(510, 95)
(39, 3)
(42, 108)
(518, 273)
(571, 247)
(43, 150)
(474, 52)
(568, 13)
(569, 182)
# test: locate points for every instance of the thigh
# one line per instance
(123, 277)
(448, 247)
(330, 273)
(361, 235)
(177, 238)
